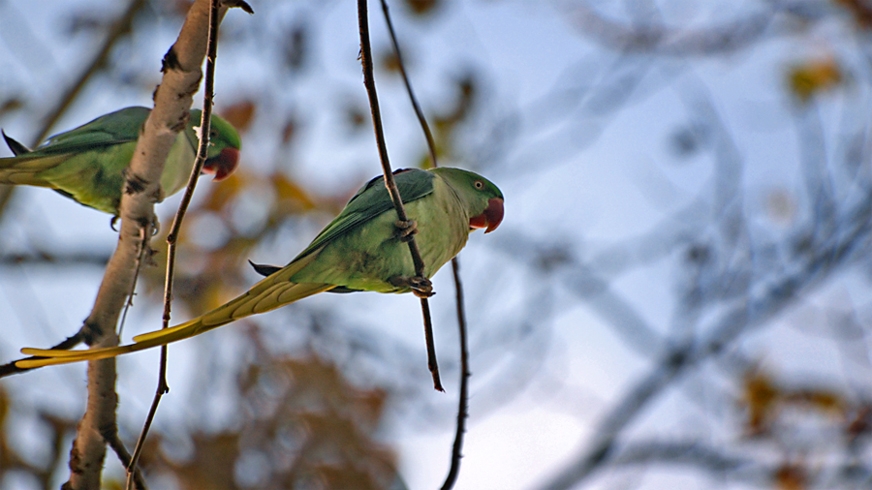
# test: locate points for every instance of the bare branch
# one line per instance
(463, 397)
(202, 153)
(431, 145)
(457, 447)
(54, 259)
(182, 74)
(753, 312)
(659, 39)
(369, 83)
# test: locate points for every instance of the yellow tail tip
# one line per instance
(45, 361)
(31, 351)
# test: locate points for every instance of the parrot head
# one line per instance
(483, 199)
(224, 145)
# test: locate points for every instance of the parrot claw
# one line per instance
(405, 229)
(423, 291)
(420, 286)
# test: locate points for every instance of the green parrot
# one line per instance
(362, 249)
(87, 164)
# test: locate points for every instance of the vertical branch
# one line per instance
(172, 100)
(463, 397)
(215, 14)
(431, 145)
(369, 83)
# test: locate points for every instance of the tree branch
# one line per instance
(463, 397)
(172, 101)
(780, 293)
(659, 39)
(369, 83)
(215, 15)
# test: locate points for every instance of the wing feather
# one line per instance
(370, 201)
(117, 127)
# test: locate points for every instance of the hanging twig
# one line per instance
(431, 144)
(369, 83)
(463, 401)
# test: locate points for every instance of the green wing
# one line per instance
(84, 163)
(370, 201)
(117, 127)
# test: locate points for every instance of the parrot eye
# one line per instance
(478, 184)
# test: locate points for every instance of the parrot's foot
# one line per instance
(405, 229)
(420, 286)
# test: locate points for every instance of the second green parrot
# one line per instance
(87, 163)
(362, 249)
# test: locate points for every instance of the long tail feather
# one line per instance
(269, 294)
(48, 357)
(25, 170)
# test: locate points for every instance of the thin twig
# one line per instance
(431, 145)
(120, 450)
(463, 402)
(369, 83)
(172, 236)
(132, 464)
(86, 332)
(55, 259)
(143, 250)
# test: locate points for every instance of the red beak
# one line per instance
(223, 164)
(491, 217)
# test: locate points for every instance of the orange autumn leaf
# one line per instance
(813, 77)
(422, 7)
(288, 190)
(761, 397)
(220, 195)
(240, 115)
(861, 11)
(791, 477)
